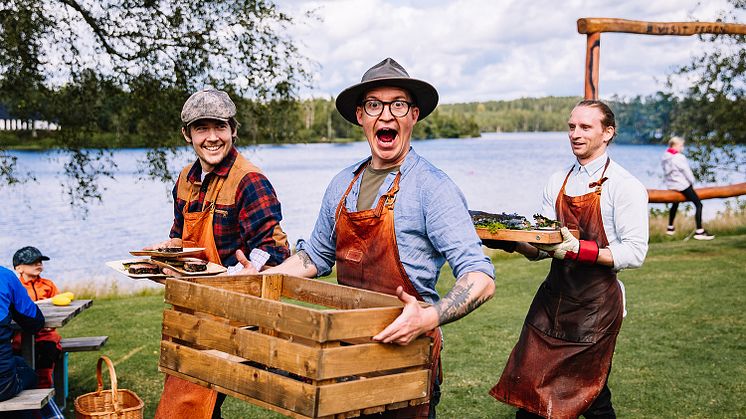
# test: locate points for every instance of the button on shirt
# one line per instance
(431, 222)
(624, 207)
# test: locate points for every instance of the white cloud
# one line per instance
(491, 50)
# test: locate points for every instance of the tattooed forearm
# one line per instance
(459, 302)
(305, 259)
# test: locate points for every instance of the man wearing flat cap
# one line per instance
(225, 204)
(390, 221)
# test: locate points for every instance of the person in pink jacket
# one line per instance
(679, 177)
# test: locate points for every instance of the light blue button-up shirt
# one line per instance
(624, 207)
(431, 223)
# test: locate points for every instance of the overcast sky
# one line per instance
(477, 50)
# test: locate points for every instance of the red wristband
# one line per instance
(588, 252)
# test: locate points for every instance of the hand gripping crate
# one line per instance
(296, 346)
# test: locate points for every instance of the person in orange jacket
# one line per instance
(27, 262)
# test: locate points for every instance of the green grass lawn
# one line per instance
(681, 352)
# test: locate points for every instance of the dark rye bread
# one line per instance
(143, 269)
(195, 266)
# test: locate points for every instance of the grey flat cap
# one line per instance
(208, 104)
(387, 73)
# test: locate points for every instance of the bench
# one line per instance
(33, 399)
(82, 344)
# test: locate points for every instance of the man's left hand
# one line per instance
(585, 251)
(412, 322)
(248, 267)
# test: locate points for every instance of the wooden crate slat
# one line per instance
(334, 295)
(361, 394)
(245, 284)
(254, 382)
(282, 317)
(267, 350)
(358, 323)
(372, 357)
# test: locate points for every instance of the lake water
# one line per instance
(498, 172)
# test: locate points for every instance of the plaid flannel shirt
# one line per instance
(248, 224)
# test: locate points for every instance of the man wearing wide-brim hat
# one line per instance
(390, 221)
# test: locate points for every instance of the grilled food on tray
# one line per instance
(170, 249)
(195, 266)
(142, 268)
(503, 221)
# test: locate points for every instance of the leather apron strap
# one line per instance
(368, 257)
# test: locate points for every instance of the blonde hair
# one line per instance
(675, 140)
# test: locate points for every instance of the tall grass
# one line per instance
(730, 221)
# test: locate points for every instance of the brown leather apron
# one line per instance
(563, 356)
(368, 257)
(181, 398)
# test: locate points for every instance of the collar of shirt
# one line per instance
(592, 167)
(409, 162)
(26, 281)
(221, 169)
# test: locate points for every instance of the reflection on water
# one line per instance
(499, 172)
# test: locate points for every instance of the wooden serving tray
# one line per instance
(118, 265)
(212, 268)
(529, 236)
(187, 251)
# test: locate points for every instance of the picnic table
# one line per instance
(54, 317)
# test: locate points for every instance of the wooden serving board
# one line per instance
(187, 251)
(118, 265)
(529, 236)
(212, 268)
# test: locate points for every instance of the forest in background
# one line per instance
(640, 120)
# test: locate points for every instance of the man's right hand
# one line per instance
(508, 246)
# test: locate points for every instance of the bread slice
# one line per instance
(144, 269)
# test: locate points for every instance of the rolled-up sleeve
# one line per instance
(450, 229)
(630, 209)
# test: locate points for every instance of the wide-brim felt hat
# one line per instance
(387, 73)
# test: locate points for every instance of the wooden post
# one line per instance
(593, 27)
(592, 55)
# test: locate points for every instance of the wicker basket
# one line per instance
(108, 404)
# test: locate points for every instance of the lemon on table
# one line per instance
(60, 300)
(69, 295)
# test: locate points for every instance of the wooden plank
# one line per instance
(232, 393)
(371, 392)
(373, 357)
(273, 352)
(335, 295)
(33, 399)
(529, 236)
(357, 323)
(58, 316)
(80, 344)
(271, 290)
(603, 24)
(244, 284)
(256, 383)
(282, 317)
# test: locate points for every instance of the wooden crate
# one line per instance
(296, 346)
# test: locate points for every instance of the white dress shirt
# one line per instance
(624, 207)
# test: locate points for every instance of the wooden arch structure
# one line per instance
(593, 27)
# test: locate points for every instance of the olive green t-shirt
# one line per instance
(370, 184)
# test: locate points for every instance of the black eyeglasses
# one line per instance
(398, 108)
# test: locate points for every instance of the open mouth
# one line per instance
(386, 135)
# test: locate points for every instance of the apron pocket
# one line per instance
(562, 317)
